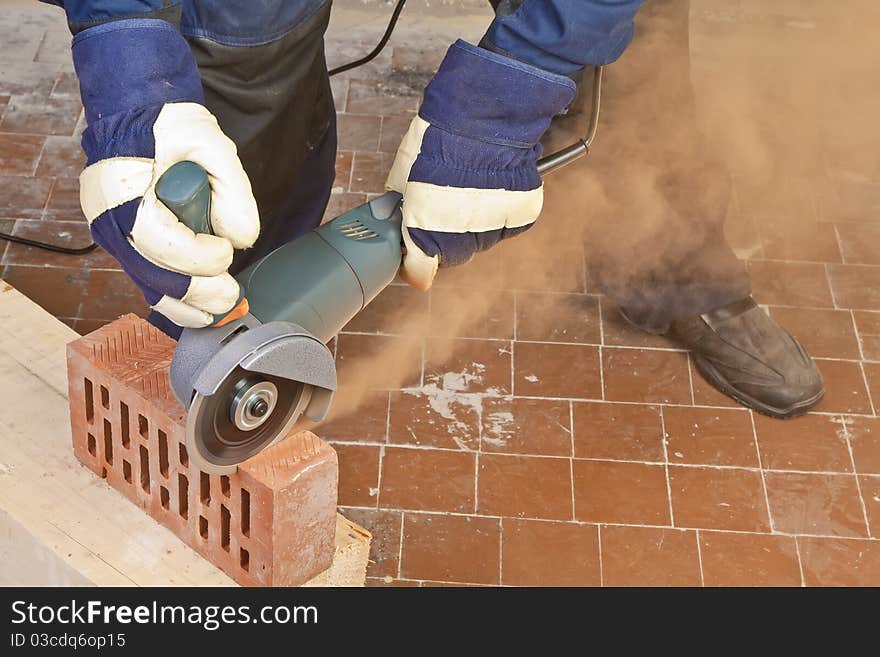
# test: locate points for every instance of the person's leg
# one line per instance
(265, 78)
(663, 255)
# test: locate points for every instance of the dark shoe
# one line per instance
(741, 351)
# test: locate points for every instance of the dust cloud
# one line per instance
(725, 122)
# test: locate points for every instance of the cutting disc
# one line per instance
(247, 413)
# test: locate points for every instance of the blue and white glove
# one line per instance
(144, 107)
(467, 166)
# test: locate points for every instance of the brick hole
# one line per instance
(163, 453)
(90, 400)
(126, 470)
(182, 455)
(164, 497)
(92, 445)
(244, 559)
(123, 416)
(245, 512)
(182, 496)
(108, 442)
(145, 469)
(224, 527)
(205, 488)
(105, 398)
(203, 527)
(224, 485)
(143, 426)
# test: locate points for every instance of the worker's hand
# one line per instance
(467, 166)
(143, 102)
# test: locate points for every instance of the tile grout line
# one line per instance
(691, 381)
(379, 477)
(400, 546)
(858, 334)
(601, 564)
(601, 353)
(830, 285)
(666, 468)
(719, 530)
(868, 388)
(852, 459)
(839, 244)
(761, 470)
(571, 458)
(700, 558)
(797, 549)
(500, 550)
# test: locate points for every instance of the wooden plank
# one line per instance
(59, 524)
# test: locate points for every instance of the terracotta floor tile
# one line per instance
(63, 203)
(872, 374)
(370, 96)
(86, 326)
(809, 442)
(868, 327)
(844, 388)
(64, 233)
(646, 376)
(860, 243)
(19, 153)
(708, 436)
(557, 317)
(790, 284)
(435, 419)
(856, 286)
(711, 498)
(526, 426)
(385, 526)
(626, 493)
(341, 203)
(802, 240)
(526, 266)
(468, 366)
(524, 487)
(38, 114)
(470, 313)
(393, 130)
(23, 197)
(731, 559)
(840, 562)
(111, 294)
(358, 474)
(864, 436)
(451, 548)
(369, 171)
(784, 201)
(398, 310)
(647, 556)
(378, 361)
(59, 291)
(407, 58)
(557, 370)
(388, 582)
(815, 504)
(622, 432)
(824, 333)
(537, 553)
(618, 332)
(343, 170)
(870, 489)
(62, 157)
(367, 423)
(67, 84)
(428, 480)
(358, 133)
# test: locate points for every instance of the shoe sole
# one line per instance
(714, 377)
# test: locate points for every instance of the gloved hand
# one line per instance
(143, 103)
(467, 166)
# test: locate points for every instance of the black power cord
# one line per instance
(392, 23)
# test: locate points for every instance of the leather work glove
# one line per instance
(467, 166)
(144, 107)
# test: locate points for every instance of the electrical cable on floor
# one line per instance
(392, 23)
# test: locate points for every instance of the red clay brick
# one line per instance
(271, 523)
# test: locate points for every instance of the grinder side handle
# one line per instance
(185, 189)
